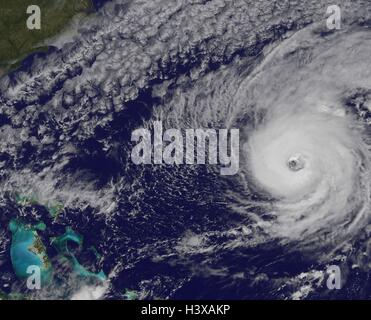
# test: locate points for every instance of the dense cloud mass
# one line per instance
(270, 68)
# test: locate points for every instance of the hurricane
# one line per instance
(310, 151)
(317, 169)
(304, 147)
(300, 96)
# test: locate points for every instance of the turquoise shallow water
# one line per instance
(27, 250)
(61, 244)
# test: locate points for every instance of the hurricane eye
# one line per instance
(295, 163)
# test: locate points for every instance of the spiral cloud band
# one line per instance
(299, 95)
(310, 152)
(304, 137)
(310, 162)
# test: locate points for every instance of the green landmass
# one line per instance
(54, 208)
(17, 41)
(27, 249)
(130, 295)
